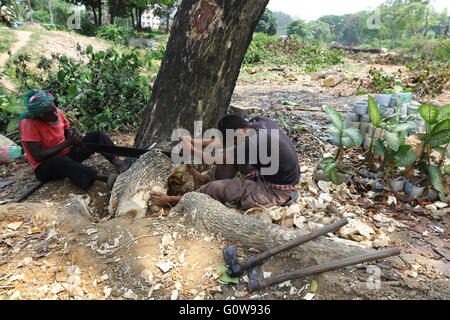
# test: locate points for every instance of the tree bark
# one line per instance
(131, 191)
(95, 16)
(132, 18)
(207, 44)
(100, 14)
(208, 215)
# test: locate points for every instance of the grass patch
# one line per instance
(6, 39)
(309, 56)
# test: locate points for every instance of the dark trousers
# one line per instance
(70, 165)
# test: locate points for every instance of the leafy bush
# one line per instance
(105, 93)
(114, 33)
(88, 28)
(6, 38)
(311, 55)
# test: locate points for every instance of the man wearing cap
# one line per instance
(54, 150)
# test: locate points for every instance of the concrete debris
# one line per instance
(130, 295)
(356, 230)
(165, 266)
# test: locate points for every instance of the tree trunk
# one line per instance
(132, 19)
(95, 16)
(131, 191)
(198, 74)
(208, 215)
(100, 22)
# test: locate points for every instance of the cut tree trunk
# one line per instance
(208, 215)
(323, 74)
(206, 47)
(131, 191)
(333, 80)
(357, 50)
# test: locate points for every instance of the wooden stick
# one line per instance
(30, 191)
(256, 260)
(325, 267)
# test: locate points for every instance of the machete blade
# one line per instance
(121, 151)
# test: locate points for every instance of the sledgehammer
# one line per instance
(236, 269)
(255, 283)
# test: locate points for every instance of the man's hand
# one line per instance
(74, 137)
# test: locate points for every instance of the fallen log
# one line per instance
(131, 191)
(357, 50)
(333, 80)
(208, 215)
(323, 74)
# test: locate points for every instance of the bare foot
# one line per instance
(119, 165)
(162, 200)
(199, 179)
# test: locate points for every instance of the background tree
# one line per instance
(165, 9)
(206, 47)
(320, 31)
(299, 28)
(283, 20)
(267, 24)
(95, 6)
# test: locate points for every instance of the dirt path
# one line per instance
(23, 37)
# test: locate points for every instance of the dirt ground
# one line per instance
(62, 244)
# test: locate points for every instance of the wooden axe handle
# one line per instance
(258, 259)
(324, 267)
(30, 191)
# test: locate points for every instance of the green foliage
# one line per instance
(106, 92)
(300, 29)
(114, 33)
(267, 24)
(403, 22)
(6, 39)
(311, 56)
(374, 112)
(340, 136)
(436, 179)
(11, 106)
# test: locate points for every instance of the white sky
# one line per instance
(314, 9)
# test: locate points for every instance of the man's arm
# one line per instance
(39, 154)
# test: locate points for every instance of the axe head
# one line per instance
(231, 258)
(253, 279)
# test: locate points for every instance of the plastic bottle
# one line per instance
(10, 153)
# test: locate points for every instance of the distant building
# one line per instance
(150, 20)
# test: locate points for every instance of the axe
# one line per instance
(236, 269)
(255, 283)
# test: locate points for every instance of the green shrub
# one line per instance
(107, 92)
(114, 33)
(88, 28)
(310, 55)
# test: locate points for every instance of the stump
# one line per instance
(323, 74)
(333, 80)
(131, 192)
(208, 215)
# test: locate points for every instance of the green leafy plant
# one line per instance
(341, 136)
(436, 137)
(114, 33)
(392, 143)
(106, 92)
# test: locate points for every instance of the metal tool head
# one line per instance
(253, 279)
(231, 258)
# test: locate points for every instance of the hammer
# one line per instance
(255, 284)
(236, 269)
